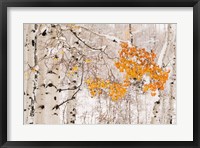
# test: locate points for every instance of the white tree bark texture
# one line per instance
(60, 58)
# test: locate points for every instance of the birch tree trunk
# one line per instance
(164, 105)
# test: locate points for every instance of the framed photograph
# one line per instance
(105, 73)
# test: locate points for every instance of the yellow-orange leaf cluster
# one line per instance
(97, 85)
(136, 63)
(116, 91)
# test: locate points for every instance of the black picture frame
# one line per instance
(99, 3)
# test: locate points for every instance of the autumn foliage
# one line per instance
(97, 86)
(137, 65)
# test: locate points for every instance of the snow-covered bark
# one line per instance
(164, 108)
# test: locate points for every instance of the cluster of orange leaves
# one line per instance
(136, 63)
(97, 85)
